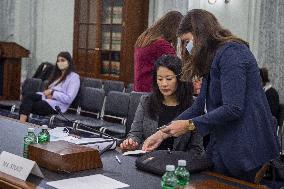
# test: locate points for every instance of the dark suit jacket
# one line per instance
(143, 127)
(273, 101)
(238, 118)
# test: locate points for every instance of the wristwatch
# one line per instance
(191, 126)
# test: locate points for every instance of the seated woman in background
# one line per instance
(170, 96)
(271, 93)
(62, 89)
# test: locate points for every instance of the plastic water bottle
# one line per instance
(30, 138)
(169, 180)
(182, 174)
(43, 136)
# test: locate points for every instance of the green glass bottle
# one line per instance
(169, 180)
(43, 136)
(30, 138)
(182, 174)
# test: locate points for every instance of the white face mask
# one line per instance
(62, 65)
(189, 46)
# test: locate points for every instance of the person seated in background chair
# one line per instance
(169, 97)
(62, 89)
(44, 71)
(270, 92)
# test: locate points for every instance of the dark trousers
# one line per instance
(33, 103)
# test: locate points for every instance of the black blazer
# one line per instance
(273, 101)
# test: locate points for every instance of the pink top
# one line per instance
(144, 59)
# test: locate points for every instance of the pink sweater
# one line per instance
(144, 59)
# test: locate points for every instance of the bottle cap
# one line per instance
(170, 168)
(30, 129)
(182, 163)
(44, 127)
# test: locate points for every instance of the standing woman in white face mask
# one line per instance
(62, 89)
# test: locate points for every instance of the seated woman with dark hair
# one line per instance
(271, 93)
(169, 97)
(62, 89)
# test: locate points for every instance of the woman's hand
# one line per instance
(129, 144)
(177, 128)
(47, 92)
(153, 141)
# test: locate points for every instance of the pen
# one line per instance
(117, 159)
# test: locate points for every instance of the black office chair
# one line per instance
(133, 104)
(30, 85)
(91, 103)
(91, 82)
(110, 85)
(280, 120)
(129, 88)
(115, 113)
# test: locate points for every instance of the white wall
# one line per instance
(239, 16)
(45, 28)
(54, 28)
(157, 8)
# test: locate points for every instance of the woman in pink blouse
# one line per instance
(157, 40)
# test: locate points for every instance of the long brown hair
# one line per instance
(166, 27)
(208, 35)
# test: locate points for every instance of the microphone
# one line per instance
(58, 110)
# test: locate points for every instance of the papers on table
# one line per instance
(135, 152)
(89, 182)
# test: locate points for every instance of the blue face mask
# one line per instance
(189, 46)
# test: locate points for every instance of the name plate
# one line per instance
(17, 166)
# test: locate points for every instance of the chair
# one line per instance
(91, 82)
(129, 88)
(44, 71)
(110, 85)
(91, 103)
(43, 85)
(280, 120)
(116, 107)
(75, 105)
(30, 85)
(133, 104)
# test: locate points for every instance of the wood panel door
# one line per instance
(105, 32)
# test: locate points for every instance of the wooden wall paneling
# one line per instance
(135, 22)
(90, 55)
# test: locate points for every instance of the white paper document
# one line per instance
(135, 152)
(88, 182)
